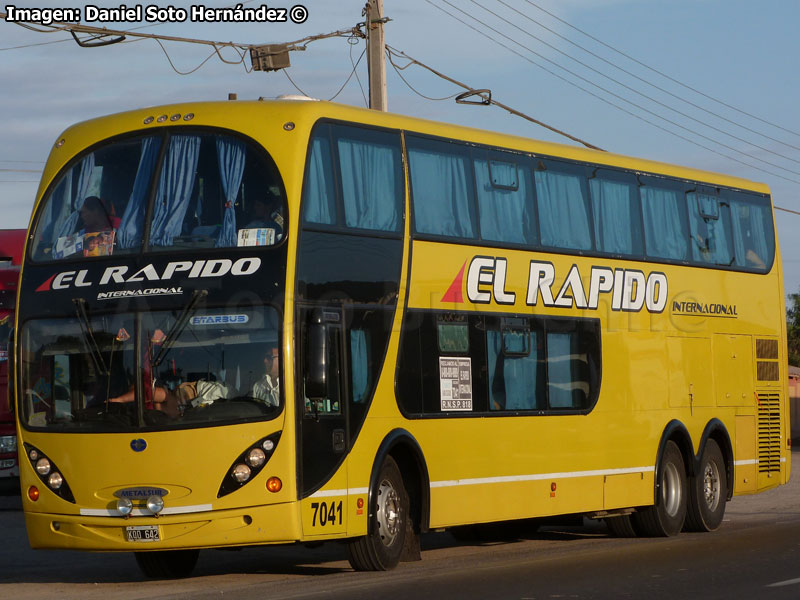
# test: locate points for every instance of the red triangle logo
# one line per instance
(454, 292)
(45, 287)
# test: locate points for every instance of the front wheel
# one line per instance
(382, 547)
(667, 516)
(708, 491)
(167, 564)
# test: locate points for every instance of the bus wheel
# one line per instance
(666, 518)
(709, 491)
(621, 527)
(381, 549)
(168, 564)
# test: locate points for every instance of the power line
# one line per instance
(654, 70)
(618, 107)
(490, 100)
(635, 76)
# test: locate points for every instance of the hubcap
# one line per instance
(388, 512)
(711, 489)
(671, 491)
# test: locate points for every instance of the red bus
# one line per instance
(12, 242)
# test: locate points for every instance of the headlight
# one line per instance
(8, 444)
(241, 473)
(55, 480)
(155, 504)
(124, 506)
(256, 457)
(42, 466)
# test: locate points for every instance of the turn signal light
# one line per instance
(274, 485)
(33, 493)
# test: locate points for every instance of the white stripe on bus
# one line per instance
(139, 512)
(541, 476)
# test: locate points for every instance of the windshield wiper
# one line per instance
(179, 326)
(88, 336)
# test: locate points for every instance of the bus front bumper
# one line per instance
(271, 524)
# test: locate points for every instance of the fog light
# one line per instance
(274, 485)
(268, 445)
(241, 473)
(256, 457)
(43, 466)
(33, 493)
(34, 455)
(124, 506)
(55, 480)
(155, 504)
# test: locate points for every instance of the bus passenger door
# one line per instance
(322, 419)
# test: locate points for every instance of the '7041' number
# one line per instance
(327, 513)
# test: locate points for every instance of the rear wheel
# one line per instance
(708, 491)
(168, 564)
(382, 548)
(667, 516)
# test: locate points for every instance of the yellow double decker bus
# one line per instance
(247, 323)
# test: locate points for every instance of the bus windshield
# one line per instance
(194, 189)
(203, 367)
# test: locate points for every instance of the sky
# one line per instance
(709, 84)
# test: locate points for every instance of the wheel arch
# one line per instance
(675, 431)
(407, 453)
(716, 430)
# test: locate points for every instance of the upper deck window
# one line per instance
(207, 191)
(354, 179)
(709, 225)
(563, 205)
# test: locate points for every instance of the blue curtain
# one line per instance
(506, 215)
(86, 167)
(710, 242)
(230, 156)
(563, 219)
(664, 231)
(752, 234)
(129, 234)
(615, 224)
(560, 378)
(369, 185)
(512, 379)
(442, 193)
(58, 206)
(174, 189)
(320, 192)
(359, 365)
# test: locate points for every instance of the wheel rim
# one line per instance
(672, 492)
(711, 487)
(388, 511)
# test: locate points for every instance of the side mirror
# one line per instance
(316, 371)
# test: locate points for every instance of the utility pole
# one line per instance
(376, 61)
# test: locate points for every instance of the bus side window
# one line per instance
(753, 237)
(709, 225)
(615, 209)
(319, 193)
(561, 198)
(515, 366)
(665, 220)
(442, 188)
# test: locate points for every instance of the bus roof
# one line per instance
(238, 114)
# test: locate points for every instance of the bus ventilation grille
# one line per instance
(767, 349)
(767, 368)
(769, 432)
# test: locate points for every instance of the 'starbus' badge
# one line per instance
(138, 445)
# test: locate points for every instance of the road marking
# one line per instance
(785, 583)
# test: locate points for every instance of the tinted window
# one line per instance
(354, 179)
(709, 226)
(665, 220)
(442, 188)
(505, 197)
(216, 191)
(561, 194)
(615, 209)
(97, 206)
(516, 366)
(753, 236)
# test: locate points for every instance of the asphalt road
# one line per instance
(755, 555)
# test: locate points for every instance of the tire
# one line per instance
(621, 527)
(382, 548)
(167, 564)
(667, 516)
(708, 491)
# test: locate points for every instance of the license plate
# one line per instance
(143, 533)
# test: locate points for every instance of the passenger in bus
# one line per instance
(267, 388)
(266, 214)
(189, 394)
(96, 217)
